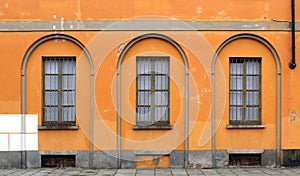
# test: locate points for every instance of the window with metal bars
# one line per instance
(245, 91)
(59, 91)
(152, 95)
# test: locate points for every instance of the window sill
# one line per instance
(58, 127)
(246, 151)
(246, 126)
(158, 127)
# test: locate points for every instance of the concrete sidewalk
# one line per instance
(150, 172)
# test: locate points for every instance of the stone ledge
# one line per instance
(58, 127)
(158, 127)
(246, 151)
(246, 126)
(153, 152)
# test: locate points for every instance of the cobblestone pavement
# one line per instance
(150, 172)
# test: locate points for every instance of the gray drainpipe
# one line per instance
(23, 120)
(186, 139)
(213, 118)
(119, 117)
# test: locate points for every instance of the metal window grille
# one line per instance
(245, 91)
(59, 90)
(152, 87)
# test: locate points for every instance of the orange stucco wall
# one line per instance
(105, 91)
(260, 10)
(199, 47)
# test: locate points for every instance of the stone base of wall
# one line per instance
(291, 158)
(203, 158)
(10, 160)
(108, 159)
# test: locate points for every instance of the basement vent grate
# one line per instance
(245, 160)
(58, 160)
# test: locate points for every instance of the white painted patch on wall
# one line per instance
(200, 10)
(12, 138)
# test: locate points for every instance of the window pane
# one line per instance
(236, 113)
(144, 114)
(160, 113)
(236, 98)
(161, 98)
(144, 83)
(252, 98)
(68, 98)
(236, 68)
(51, 66)
(68, 66)
(51, 98)
(51, 114)
(51, 82)
(252, 83)
(252, 113)
(165, 66)
(236, 82)
(158, 68)
(161, 82)
(68, 113)
(143, 66)
(68, 82)
(144, 98)
(253, 67)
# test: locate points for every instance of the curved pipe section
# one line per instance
(121, 57)
(278, 92)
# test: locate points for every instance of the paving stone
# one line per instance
(5, 172)
(71, 173)
(145, 172)
(194, 172)
(224, 171)
(150, 172)
(58, 171)
(89, 171)
(46, 170)
(18, 172)
(126, 172)
(210, 172)
(271, 171)
(82, 174)
(179, 172)
(239, 171)
(31, 172)
(287, 171)
(39, 174)
(254, 171)
(296, 170)
(106, 172)
(163, 172)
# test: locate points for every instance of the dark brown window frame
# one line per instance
(152, 124)
(243, 120)
(59, 124)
